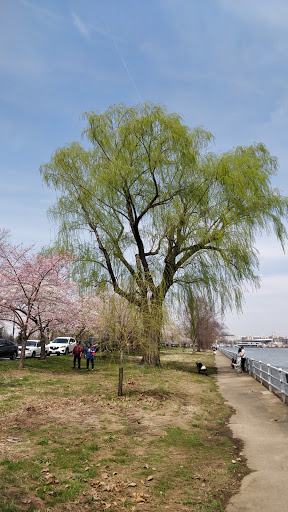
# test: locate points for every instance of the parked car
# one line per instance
(33, 348)
(61, 346)
(8, 349)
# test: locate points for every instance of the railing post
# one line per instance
(282, 375)
(269, 377)
(282, 387)
(253, 369)
(248, 365)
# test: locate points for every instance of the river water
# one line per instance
(277, 357)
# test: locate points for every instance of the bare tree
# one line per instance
(4, 234)
(122, 327)
(201, 323)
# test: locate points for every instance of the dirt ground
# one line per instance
(164, 445)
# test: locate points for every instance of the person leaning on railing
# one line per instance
(243, 358)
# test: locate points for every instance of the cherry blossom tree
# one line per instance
(31, 287)
(80, 317)
(56, 309)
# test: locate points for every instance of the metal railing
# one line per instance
(274, 379)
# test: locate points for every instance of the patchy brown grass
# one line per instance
(68, 443)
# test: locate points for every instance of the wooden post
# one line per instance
(120, 381)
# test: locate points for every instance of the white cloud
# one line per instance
(271, 14)
(280, 114)
(275, 286)
(270, 249)
(84, 28)
(46, 14)
(264, 311)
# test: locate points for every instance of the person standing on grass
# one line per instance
(77, 353)
(89, 356)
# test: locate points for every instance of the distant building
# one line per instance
(247, 341)
(229, 341)
(256, 342)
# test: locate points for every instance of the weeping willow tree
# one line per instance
(145, 205)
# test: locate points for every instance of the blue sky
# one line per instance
(219, 63)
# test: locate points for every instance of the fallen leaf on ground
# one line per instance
(140, 499)
(95, 484)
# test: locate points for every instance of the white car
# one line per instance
(33, 348)
(61, 346)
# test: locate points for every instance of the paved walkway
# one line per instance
(261, 421)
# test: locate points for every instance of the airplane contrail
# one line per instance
(124, 64)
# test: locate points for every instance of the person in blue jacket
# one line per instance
(89, 356)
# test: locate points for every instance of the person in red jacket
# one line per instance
(77, 353)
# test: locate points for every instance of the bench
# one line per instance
(201, 368)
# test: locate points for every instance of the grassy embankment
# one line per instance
(69, 443)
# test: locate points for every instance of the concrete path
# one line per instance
(261, 421)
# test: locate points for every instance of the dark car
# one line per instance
(97, 343)
(8, 349)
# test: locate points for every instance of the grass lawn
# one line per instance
(68, 443)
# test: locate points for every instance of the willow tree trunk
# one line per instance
(194, 345)
(151, 343)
